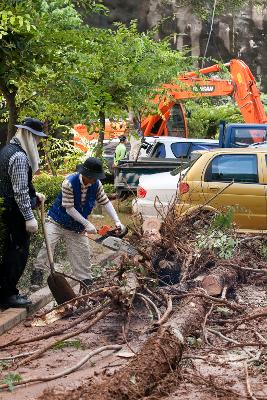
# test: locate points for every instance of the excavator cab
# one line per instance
(172, 122)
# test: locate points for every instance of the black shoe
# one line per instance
(88, 283)
(16, 301)
(37, 278)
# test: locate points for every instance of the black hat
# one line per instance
(92, 168)
(122, 138)
(33, 125)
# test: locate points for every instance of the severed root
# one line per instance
(126, 293)
(262, 312)
(57, 331)
(167, 313)
(106, 310)
(159, 355)
(66, 371)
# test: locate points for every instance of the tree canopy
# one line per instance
(55, 67)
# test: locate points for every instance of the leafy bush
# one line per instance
(109, 188)
(220, 242)
(63, 156)
(205, 117)
(48, 185)
(219, 236)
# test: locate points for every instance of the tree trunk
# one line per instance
(47, 156)
(158, 356)
(10, 97)
(218, 278)
(13, 116)
(99, 148)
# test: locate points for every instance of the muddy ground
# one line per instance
(223, 357)
(208, 371)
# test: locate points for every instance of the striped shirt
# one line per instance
(68, 196)
(18, 169)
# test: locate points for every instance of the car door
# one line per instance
(246, 194)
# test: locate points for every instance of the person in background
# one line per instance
(67, 219)
(19, 160)
(120, 151)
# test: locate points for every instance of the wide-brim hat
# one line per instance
(33, 125)
(91, 168)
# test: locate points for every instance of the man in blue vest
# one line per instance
(19, 160)
(67, 219)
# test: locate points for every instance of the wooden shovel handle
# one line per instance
(47, 244)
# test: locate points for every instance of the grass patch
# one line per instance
(76, 344)
(10, 379)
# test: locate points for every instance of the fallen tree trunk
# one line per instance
(219, 277)
(160, 354)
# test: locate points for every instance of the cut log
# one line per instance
(151, 225)
(159, 355)
(218, 278)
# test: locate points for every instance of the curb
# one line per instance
(13, 316)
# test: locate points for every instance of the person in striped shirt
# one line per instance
(68, 219)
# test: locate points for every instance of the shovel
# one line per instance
(58, 285)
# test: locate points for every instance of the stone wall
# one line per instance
(243, 35)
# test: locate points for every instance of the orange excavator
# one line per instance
(171, 119)
(242, 87)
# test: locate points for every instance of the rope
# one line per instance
(211, 28)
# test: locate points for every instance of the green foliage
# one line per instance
(263, 250)
(63, 156)
(10, 379)
(109, 188)
(76, 344)
(206, 116)
(3, 365)
(220, 242)
(49, 185)
(223, 220)
(219, 236)
(194, 341)
(224, 311)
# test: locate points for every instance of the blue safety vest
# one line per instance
(58, 213)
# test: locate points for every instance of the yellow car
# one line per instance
(228, 177)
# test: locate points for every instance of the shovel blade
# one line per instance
(60, 288)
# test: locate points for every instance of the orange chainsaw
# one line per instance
(112, 238)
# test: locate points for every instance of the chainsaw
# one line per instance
(112, 239)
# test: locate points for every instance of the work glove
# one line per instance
(32, 225)
(119, 226)
(40, 198)
(90, 228)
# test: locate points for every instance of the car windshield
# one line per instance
(159, 150)
(245, 136)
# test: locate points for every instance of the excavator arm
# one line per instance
(242, 87)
